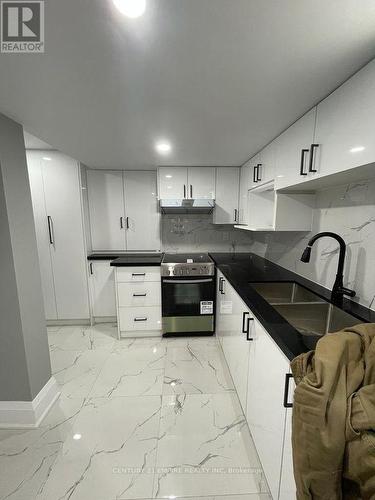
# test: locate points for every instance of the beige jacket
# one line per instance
(334, 417)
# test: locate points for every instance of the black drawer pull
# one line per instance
(140, 319)
(288, 376)
(138, 274)
(139, 294)
(311, 163)
(303, 153)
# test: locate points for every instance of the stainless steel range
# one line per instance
(188, 294)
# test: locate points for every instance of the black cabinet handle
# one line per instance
(259, 178)
(50, 229)
(288, 376)
(221, 285)
(244, 315)
(311, 163)
(138, 274)
(235, 214)
(248, 329)
(191, 191)
(121, 222)
(303, 154)
(140, 319)
(222, 291)
(255, 175)
(91, 270)
(127, 222)
(184, 191)
(139, 294)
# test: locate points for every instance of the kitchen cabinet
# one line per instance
(123, 210)
(345, 123)
(172, 183)
(244, 188)
(235, 323)
(270, 210)
(142, 220)
(287, 483)
(293, 152)
(226, 209)
(261, 376)
(56, 196)
(106, 207)
(186, 182)
(267, 164)
(138, 299)
(268, 370)
(254, 175)
(102, 289)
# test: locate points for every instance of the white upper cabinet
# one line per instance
(186, 182)
(227, 190)
(173, 183)
(267, 164)
(201, 183)
(244, 188)
(106, 207)
(254, 173)
(293, 151)
(142, 221)
(345, 125)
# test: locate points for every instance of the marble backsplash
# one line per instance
(347, 210)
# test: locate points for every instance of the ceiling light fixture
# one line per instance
(163, 148)
(131, 8)
(357, 149)
(77, 436)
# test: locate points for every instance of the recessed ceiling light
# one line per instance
(47, 158)
(163, 148)
(357, 149)
(77, 436)
(168, 176)
(131, 8)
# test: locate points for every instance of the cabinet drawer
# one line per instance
(147, 293)
(140, 318)
(132, 274)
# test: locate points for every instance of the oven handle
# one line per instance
(188, 281)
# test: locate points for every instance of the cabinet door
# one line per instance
(255, 172)
(227, 190)
(102, 279)
(34, 163)
(265, 410)
(244, 188)
(293, 146)
(201, 182)
(142, 218)
(172, 183)
(219, 317)
(106, 207)
(266, 166)
(287, 483)
(63, 204)
(236, 347)
(345, 125)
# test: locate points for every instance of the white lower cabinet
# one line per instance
(259, 370)
(102, 288)
(138, 294)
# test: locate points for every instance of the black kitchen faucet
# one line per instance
(338, 290)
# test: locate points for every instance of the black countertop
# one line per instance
(243, 268)
(140, 259)
(105, 255)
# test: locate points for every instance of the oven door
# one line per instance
(188, 305)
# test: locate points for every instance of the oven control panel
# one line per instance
(183, 269)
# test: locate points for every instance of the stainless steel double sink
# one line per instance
(307, 312)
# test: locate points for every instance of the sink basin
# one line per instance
(311, 315)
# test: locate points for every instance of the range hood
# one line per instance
(186, 206)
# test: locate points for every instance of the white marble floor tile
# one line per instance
(134, 343)
(91, 338)
(196, 369)
(27, 456)
(134, 372)
(76, 371)
(205, 448)
(115, 456)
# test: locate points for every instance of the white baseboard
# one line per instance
(29, 414)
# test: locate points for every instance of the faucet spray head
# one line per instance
(306, 254)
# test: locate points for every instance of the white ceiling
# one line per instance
(218, 78)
